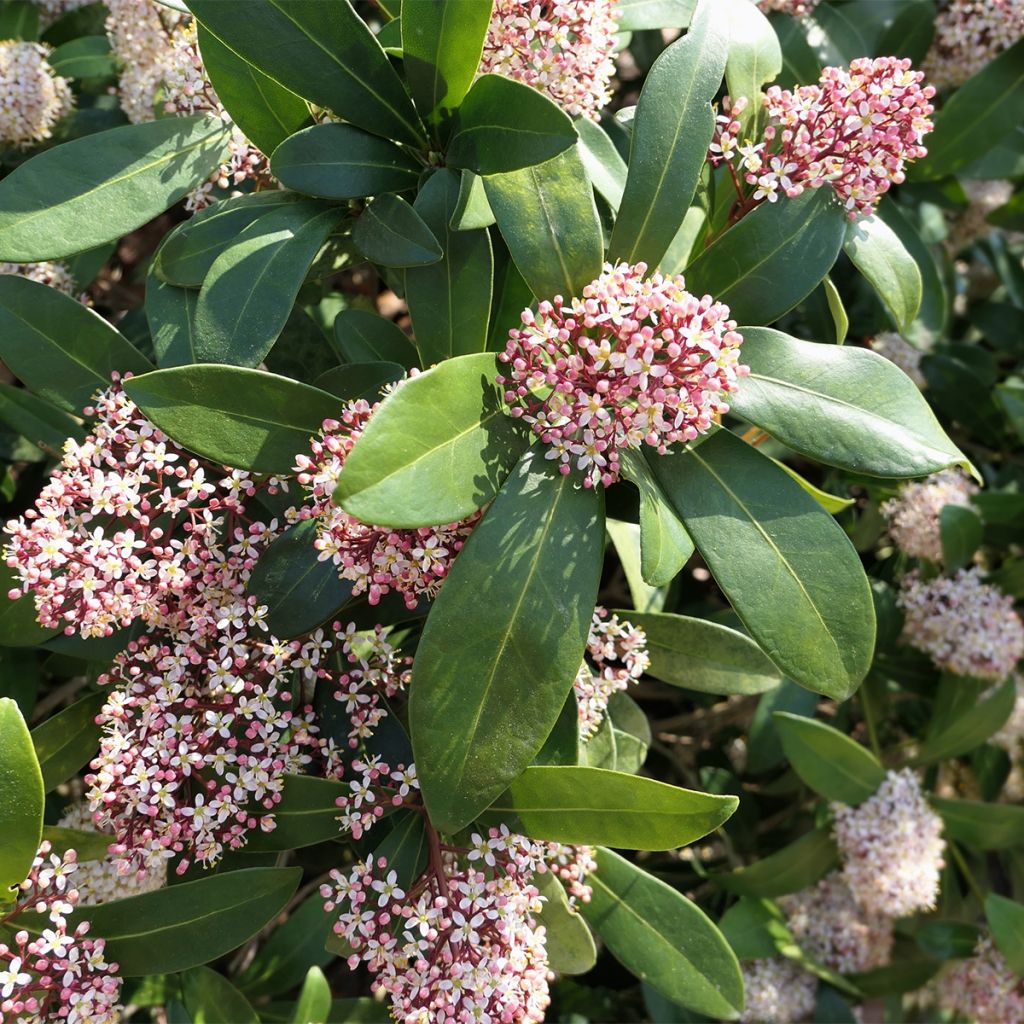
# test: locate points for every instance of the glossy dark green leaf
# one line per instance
(87, 57)
(910, 33)
(366, 337)
(503, 125)
(946, 940)
(828, 761)
(390, 232)
(570, 945)
(36, 419)
(190, 250)
(547, 216)
(788, 569)
(441, 48)
(895, 979)
(299, 590)
(449, 301)
(19, 19)
(794, 867)
(774, 257)
(515, 605)
(605, 167)
(637, 15)
(314, 1003)
(1006, 921)
(249, 291)
(340, 161)
(437, 449)
(323, 53)
(590, 807)
(701, 655)
(211, 999)
(405, 848)
(844, 406)
(511, 296)
(800, 66)
(755, 57)
(18, 625)
(970, 728)
(563, 743)
(663, 938)
(57, 347)
(360, 380)
(244, 418)
(171, 314)
(879, 254)
(961, 531)
(91, 190)
(68, 740)
(21, 800)
(671, 132)
(264, 110)
(87, 845)
(984, 826)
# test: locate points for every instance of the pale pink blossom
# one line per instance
(34, 96)
(914, 515)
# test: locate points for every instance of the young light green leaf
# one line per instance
(437, 449)
(672, 129)
(837, 309)
(570, 945)
(663, 938)
(794, 867)
(391, 233)
(878, 253)
(363, 337)
(472, 210)
(68, 740)
(91, 190)
(314, 1003)
(21, 800)
(515, 605)
(626, 539)
(211, 999)
(1006, 921)
(831, 503)
(637, 15)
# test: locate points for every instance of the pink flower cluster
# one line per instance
(35, 97)
(983, 987)
(969, 34)
(618, 656)
(856, 130)
(637, 360)
(778, 991)
(54, 275)
(562, 48)
(967, 627)
(914, 515)
(59, 975)
(377, 559)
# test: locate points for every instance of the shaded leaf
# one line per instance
(21, 800)
(390, 232)
(68, 740)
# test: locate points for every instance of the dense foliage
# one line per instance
(514, 511)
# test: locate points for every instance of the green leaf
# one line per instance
(306, 815)
(1010, 397)
(704, 656)
(879, 254)
(472, 210)
(831, 503)
(547, 216)
(314, 1003)
(626, 538)
(984, 826)
(503, 125)
(973, 120)
(57, 347)
(37, 420)
(366, 337)
(390, 232)
(88, 191)
(563, 743)
(516, 605)
(828, 761)
(837, 309)
(672, 129)
(592, 807)
(753, 524)
(248, 294)
(774, 257)
(946, 940)
(438, 448)
(405, 848)
(511, 296)
(360, 380)
(87, 845)
(604, 166)
(970, 728)
(755, 56)
(171, 315)
(800, 864)
(239, 417)
(21, 800)
(844, 406)
(570, 945)
(87, 57)
(211, 999)
(68, 740)
(910, 33)
(663, 938)
(637, 15)
(190, 250)
(441, 48)
(961, 531)
(18, 625)
(1006, 920)
(264, 110)
(340, 161)
(19, 19)
(330, 58)
(450, 301)
(799, 63)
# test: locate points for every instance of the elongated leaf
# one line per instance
(87, 57)
(704, 656)
(472, 210)
(1006, 920)
(87, 845)
(879, 254)
(511, 296)
(441, 48)
(503, 125)
(829, 762)
(663, 938)
(360, 380)
(171, 314)
(844, 406)
(405, 848)
(340, 161)
(57, 347)
(21, 800)
(365, 337)
(515, 607)
(605, 167)
(637, 15)
(791, 869)
(307, 814)
(570, 946)
(591, 806)
(83, 193)
(547, 216)
(961, 531)
(37, 420)
(970, 728)
(774, 257)
(831, 503)
(248, 294)
(314, 1003)
(437, 449)
(672, 129)
(788, 569)
(65, 742)
(626, 539)
(211, 999)
(265, 111)
(323, 53)
(390, 232)
(240, 417)
(983, 826)
(190, 250)
(755, 56)
(449, 301)
(18, 625)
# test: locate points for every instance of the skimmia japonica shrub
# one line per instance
(513, 511)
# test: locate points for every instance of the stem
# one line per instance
(869, 720)
(972, 882)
